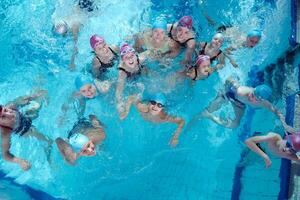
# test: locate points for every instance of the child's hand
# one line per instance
(268, 162)
(25, 165)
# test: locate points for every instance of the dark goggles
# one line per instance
(155, 103)
(290, 146)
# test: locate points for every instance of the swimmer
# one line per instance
(87, 89)
(105, 56)
(82, 139)
(251, 40)
(15, 121)
(287, 148)
(237, 39)
(240, 97)
(201, 70)
(154, 40)
(213, 50)
(153, 110)
(130, 68)
(73, 23)
(182, 35)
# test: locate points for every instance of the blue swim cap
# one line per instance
(77, 141)
(159, 98)
(161, 24)
(82, 80)
(263, 91)
(254, 33)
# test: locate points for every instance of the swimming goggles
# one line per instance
(290, 146)
(1, 107)
(126, 51)
(155, 103)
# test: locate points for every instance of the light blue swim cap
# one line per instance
(254, 33)
(263, 91)
(82, 80)
(161, 24)
(159, 98)
(77, 141)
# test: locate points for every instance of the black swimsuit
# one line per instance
(82, 123)
(230, 94)
(180, 43)
(104, 66)
(132, 75)
(202, 52)
(24, 126)
(86, 5)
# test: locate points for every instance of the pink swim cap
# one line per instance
(202, 58)
(96, 39)
(126, 48)
(295, 140)
(186, 21)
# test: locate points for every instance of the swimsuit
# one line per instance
(182, 44)
(86, 5)
(104, 66)
(202, 52)
(132, 75)
(231, 96)
(24, 125)
(82, 123)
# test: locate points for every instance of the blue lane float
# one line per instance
(294, 13)
(285, 168)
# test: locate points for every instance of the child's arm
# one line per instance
(252, 144)
(180, 122)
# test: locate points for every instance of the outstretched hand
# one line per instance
(268, 162)
(174, 141)
(25, 165)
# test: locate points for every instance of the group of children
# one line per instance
(161, 43)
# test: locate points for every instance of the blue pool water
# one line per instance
(135, 161)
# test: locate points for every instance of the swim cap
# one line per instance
(125, 49)
(77, 141)
(294, 140)
(96, 39)
(202, 58)
(186, 21)
(263, 91)
(61, 27)
(159, 98)
(161, 24)
(254, 33)
(219, 36)
(82, 80)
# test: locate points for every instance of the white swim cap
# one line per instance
(61, 27)
(77, 141)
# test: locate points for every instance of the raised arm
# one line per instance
(75, 31)
(66, 151)
(25, 100)
(191, 45)
(221, 61)
(5, 136)
(252, 144)
(180, 122)
(119, 91)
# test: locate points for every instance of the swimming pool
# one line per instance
(136, 162)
